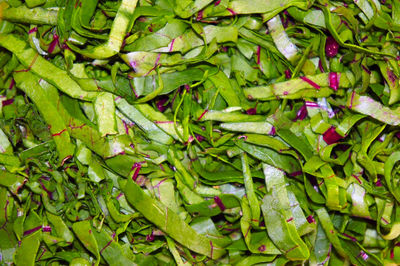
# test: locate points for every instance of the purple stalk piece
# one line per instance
(201, 116)
(65, 46)
(232, 11)
(53, 44)
(272, 132)
(334, 80)
(161, 106)
(288, 74)
(243, 137)
(49, 193)
(187, 87)
(363, 255)
(363, 39)
(392, 77)
(312, 83)
(212, 249)
(119, 195)
(171, 48)
(46, 228)
(150, 237)
(30, 231)
(199, 15)
(297, 173)
(7, 102)
(302, 113)
(137, 167)
(351, 237)
(258, 55)
(12, 83)
(312, 104)
(219, 202)
(310, 219)
(331, 47)
(126, 127)
(331, 136)
(108, 244)
(366, 69)
(251, 111)
(200, 138)
(320, 66)
(33, 30)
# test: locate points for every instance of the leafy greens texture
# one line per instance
(229, 132)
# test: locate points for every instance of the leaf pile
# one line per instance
(159, 132)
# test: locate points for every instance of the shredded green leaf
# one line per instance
(199, 132)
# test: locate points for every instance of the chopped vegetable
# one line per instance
(227, 132)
